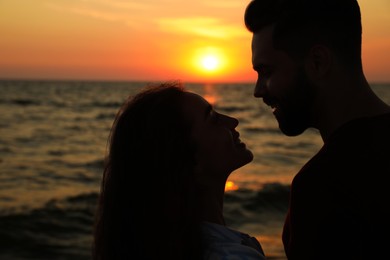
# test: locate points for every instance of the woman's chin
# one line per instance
(245, 158)
(249, 156)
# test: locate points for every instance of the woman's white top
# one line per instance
(222, 243)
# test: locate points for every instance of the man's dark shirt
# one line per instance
(340, 200)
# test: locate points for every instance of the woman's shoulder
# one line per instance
(221, 242)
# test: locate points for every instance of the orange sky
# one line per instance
(150, 40)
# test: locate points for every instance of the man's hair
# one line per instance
(301, 24)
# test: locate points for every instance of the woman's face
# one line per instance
(219, 151)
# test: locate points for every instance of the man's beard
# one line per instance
(295, 113)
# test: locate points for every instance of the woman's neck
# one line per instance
(210, 204)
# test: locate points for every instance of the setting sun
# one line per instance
(210, 62)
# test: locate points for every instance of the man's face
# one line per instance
(282, 84)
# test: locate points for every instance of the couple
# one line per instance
(171, 152)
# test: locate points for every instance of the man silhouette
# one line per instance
(307, 54)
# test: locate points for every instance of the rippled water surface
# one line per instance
(53, 139)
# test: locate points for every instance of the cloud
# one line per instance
(225, 4)
(99, 12)
(163, 13)
(201, 26)
(90, 13)
(120, 5)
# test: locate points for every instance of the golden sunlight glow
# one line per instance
(116, 40)
(210, 62)
(230, 186)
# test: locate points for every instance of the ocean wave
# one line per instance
(22, 102)
(231, 109)
(103, 116)
(26, 102)
(63, 227)
(271, 197)
(256, 206)
(262, 130)
(6, 150)
(94, 164)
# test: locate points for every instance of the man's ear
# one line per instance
(319, 61)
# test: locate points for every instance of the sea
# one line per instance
(53, 140)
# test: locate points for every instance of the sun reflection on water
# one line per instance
(210, 94)
(231, 186)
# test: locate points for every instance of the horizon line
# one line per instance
(144, 81)
(126, 80)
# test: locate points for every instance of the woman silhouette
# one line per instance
(170, 154)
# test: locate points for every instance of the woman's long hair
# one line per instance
(147, 209)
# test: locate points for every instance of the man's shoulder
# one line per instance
(356, 160)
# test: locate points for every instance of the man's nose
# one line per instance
(259, 89)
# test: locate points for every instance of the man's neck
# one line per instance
(357, 101)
